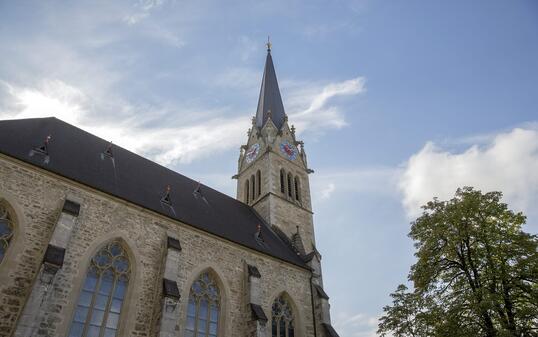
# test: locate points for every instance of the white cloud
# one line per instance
(507, 162)
(355, 325)
(142, 10)
(369, 180)
(164, 144)
(327, 191)
(309, 107)
(167, 144)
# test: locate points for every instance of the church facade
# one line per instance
(97, 241)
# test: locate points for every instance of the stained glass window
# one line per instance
(282, 324)
(6, 231)
(203, 308)
(100, 302)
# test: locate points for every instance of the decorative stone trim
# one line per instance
(170, 309)
(257, 313)
(71, 207)
(170, 289)
(253, 271)
(53, 260)
(173, 243)
(54, 255)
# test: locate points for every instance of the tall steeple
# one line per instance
(272, 171)
(273, 178)
(270, 103)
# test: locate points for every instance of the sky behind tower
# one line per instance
(397, 102)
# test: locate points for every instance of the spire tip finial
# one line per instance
(268, 44)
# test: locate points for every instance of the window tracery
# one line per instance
(282, 319)
(100, 301)
(203, 308)
(6, 231)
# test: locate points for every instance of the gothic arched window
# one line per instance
(282, 182)
(297, 189)
(101, 298)
(259, 181)
(253, 187)
(290, 188)
(6, 231)
(203, 308)
(282, 319)
(247, 192)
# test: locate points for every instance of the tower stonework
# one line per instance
(273, 172)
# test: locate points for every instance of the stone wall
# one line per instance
(37, 197)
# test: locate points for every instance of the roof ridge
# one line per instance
(74, 154)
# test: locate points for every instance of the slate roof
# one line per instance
(270, 99)
(78, 155)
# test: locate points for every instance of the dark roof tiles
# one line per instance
(76, 154)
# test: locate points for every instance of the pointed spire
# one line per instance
(270, 102)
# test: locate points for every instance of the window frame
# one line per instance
(213, 301)
(100, 274)
(289, 321)
(7, 240)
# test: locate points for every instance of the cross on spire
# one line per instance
(268, 44)
(270, 104)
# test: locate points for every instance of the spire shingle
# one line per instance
(270, 103)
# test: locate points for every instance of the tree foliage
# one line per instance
(476, 272)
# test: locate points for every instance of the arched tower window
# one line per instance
(247, 192)
(290, 187)
(6, 230)
(259, 182)
(100, 301)
(282, 319)
(253, 187)
(282, 182)
(203, 308)
(297, 188)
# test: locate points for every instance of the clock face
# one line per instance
(252, 153)
(288, 150)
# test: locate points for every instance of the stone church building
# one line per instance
(97, 241)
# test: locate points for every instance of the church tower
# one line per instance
(273, 171)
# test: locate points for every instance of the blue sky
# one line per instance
(397, 102)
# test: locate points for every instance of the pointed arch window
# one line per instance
(100, 301)
(259, 182)
(282, 322)
(282, 182)
(203, 309)
(253, 187)
(290, 188)
(6, 230)
(247, 192)
(297, 189)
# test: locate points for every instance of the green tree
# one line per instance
(476, 272)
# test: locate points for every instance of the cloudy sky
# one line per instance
(397, 102)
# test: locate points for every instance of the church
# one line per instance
(97, 241)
